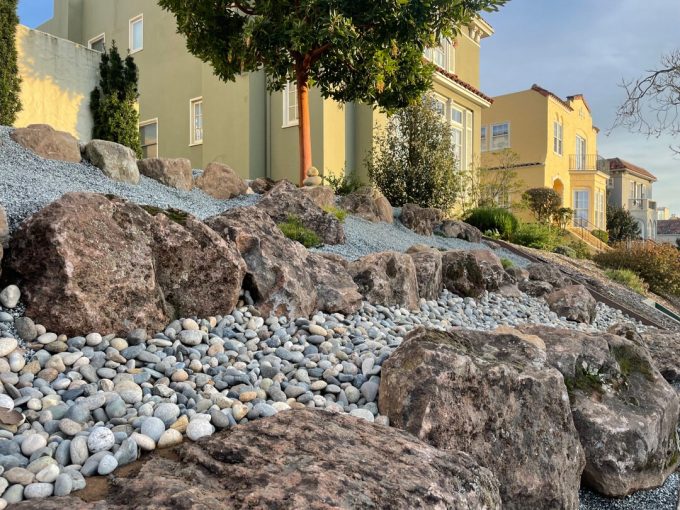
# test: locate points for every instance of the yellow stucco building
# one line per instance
(556, 143)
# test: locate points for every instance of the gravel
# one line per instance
(663, 498)
(29, 182)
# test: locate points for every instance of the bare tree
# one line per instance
(652, 105)
(499, 182)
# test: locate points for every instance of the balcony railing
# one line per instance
(586, 162)
(641, 204)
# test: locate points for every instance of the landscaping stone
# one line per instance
(422, 220)
(322, 196)
(116, 161)
(47, 143)
(368, 203)
(663, 347)
(470, 273)
(221, 182)
(428, 265)
(335, 289)
(262, 184)
(387, 278)
(176, 173)
(458, 230)
(574, 303)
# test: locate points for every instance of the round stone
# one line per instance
(129, 391)
(63, 485)
(10, 295)
(69, 427)
(169, 438)
(38, 490)
(25, 328)
(144, 442)
(167, 412)
(49, 474)
(190, 325)
(7, 345)
(199, 428)
(107, 465)
(190, 337)
(79, 451)
(6, 402)
(32, 444)
(154, 428)
(93, 339)
(100, 439)
(363, 414)
(47, 338)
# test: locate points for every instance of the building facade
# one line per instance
(556, 145)
(186, 111)
(668, 231)
(630, 187)
(663, 213)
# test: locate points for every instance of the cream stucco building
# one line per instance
(187, 112)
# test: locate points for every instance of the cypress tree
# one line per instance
(10, 82)
(113, 102)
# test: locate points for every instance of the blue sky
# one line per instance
(569, 47)
(588, 47)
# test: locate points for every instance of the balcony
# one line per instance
(585, 162)
(641, 204)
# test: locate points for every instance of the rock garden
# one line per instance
(160, 330)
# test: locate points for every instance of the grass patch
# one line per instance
(293, 229)
(507, 263)
(627, 278)
(631, 363)
(179, 217)
(340, 214)
(584, 381)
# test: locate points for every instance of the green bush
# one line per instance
(340, 214)
(568, 251)
(493, 219)
(657, 264)
(344, 185)
(628, 278)
(10, 81)
(536, 235)
(507, 263)
(545, 203)
(581, 249)
(293, 229)
(602, 235)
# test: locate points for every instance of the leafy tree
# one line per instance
(621, 225)
(677, 242)
(545, 203)
(113, 102)
(10, 82)
(413, 159)
(499, 182)
(350, 50)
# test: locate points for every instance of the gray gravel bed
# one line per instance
(663, 498)
(365, 237)
(29, 182)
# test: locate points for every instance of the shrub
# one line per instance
(656, 264)
(413, 160)
(563, 217)
(568, 251)
(293, 229)
(493, 219)
(628, 278)
(344, 185)
(602, 235)
(10, 82)
(536, 235)
(621, 225)
(543, 202)
(340, 214)
(113, 102)
(581, 250)
(507, 263)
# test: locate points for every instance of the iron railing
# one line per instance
(583, 228)
(587, 162)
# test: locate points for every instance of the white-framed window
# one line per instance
(439, 55)
(581, 208)
(580, 153)
(196, 120)
(291, 113)
(440, 105)
(558, 138)
(599, 210)
(97, 43)
(500, 136)
(148, 135)
(137, 34)
(485, 140)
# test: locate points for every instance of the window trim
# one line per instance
(158, 137)
(287, 123)
(560, 140)
(484, 140)
(136, 19)
(101, 36)
(192, 129)
(491, 147)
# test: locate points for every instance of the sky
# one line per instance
(587, 47)
(35, 12)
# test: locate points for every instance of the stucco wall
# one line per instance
(57, 78)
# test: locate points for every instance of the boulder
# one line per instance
(88, 262)
(335, 289)
(4, 229)
(548, 273)
(262, 184)
(322, 196)
(428, 265)
(574, 303)
(625, 412)
(176, 173)
(285, 200)
(221, 182)
(48, 143)
(387, 278)
(422, 220)
(664, 348)
(312, 459)
(535, 288)
(458, 230)
(518, 274)
(277, 275)
(494, 396)
(368, 203)
(115, 161)
(470, 272)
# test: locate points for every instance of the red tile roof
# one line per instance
(668, 227)
(547, 93)
(580, 96)
(620, 164)
(464, 84)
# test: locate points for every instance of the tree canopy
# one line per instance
(10, 82)
(621, 225)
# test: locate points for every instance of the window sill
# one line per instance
(292, 124)
(195, 144)
(132, 52)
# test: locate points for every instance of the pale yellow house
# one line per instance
(187, 112)
(556, 143)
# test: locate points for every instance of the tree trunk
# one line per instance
(304, 128)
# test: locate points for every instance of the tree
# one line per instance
(500, 181)
(413, 159)
(10, 82)
(652, 104)
(349, 50)
(621, 225)
(677, 243)
(543, 202)
(113, 102)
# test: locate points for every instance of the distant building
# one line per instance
(663, 213)
(630, 186)
(668, 231)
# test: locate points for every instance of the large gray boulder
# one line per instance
(494, 396)
(458, 230)
(664, 348)
(48, 143)
(422, 220)
(428, 264)
(115, 161)
(574, 303)
(471, 272)
(387, 278)
(543, 279)
(625, 412)
(368, 203)
(220, 181)
(176, 173)
(335, 290)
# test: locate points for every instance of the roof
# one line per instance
(580, 96)
(464, 84)
(547, 93)
(668, 227)
(621, 165)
